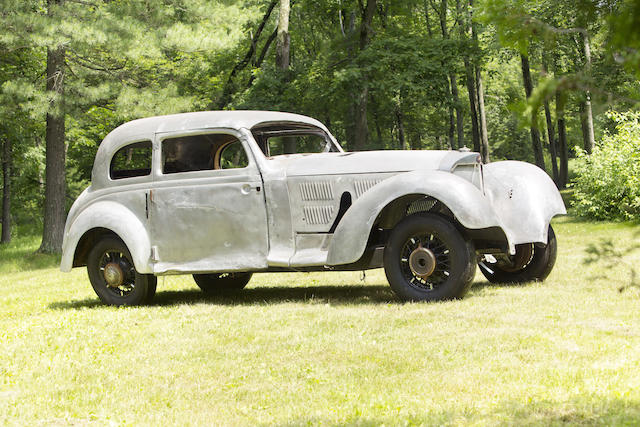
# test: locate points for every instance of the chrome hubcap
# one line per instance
(113, 275)
(422, 262)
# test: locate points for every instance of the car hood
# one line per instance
(369, 162)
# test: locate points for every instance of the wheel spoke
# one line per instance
(440, 252)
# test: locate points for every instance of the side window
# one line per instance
(131, 160)
(202, 152)
(233, 156)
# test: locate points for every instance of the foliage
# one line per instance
(607, 183)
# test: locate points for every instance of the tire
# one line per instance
(221, 282)
(451, 259)
(128, 287)
(535, 264)
(151, 290)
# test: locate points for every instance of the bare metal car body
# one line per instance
(298, 211)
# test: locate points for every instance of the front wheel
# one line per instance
(531, 262)
(428, 259)
(220, 282)
(114, 277)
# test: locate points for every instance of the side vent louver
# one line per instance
(319, 190)
(318, 214)
(364, 185)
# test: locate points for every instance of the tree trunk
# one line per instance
(466, 32)
(6, 191)
(590, 139)
(283, 42)
(563, 173)
(366, 31)
(583, 123)
(427, 20)
(471, 90)
(283, 38)
(361, 125)
(482, 125)
(376, 119)
(552, 141)
(452, 130)
(453, 87)
(535, 135)
(54, 194)
(458, 108)
(484, 137)
(550, 129)
(401, 137)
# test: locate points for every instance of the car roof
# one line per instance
(201, 120)
(145, 129)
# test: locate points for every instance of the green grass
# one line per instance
(324, 348)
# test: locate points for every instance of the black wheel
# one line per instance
(220, 282)
(532, 262)
(428, 259)
(114, 277)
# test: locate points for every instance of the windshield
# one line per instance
(283, 140)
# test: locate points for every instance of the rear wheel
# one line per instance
(113, 275)
(531, 262)
(220, 282)
(428, 259)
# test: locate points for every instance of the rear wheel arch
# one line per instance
(92, 224)
(88, 240)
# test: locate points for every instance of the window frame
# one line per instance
(262, 133)
(123, 146)
(160, 137)
(218, 157)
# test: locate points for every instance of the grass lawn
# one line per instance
(324, 348)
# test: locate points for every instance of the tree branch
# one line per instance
(226, 93)
(263, 54)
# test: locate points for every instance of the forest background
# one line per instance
(540, 81)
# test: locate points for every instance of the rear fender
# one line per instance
(116, 218)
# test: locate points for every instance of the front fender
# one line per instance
(465, 201)
(525, 199)
(114, 217)
(518, 197)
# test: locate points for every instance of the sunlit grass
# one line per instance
(324, 348)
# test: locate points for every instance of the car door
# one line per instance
(207, 204)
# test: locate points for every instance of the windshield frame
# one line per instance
(263, 132)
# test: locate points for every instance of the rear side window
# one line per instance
(131, 160)
(202, 152)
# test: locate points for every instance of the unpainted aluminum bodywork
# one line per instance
(288, 212)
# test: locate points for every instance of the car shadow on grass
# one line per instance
(335, 295)
(479, 286)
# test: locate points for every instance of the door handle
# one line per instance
(247, 188)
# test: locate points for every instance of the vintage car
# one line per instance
(223, 194)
